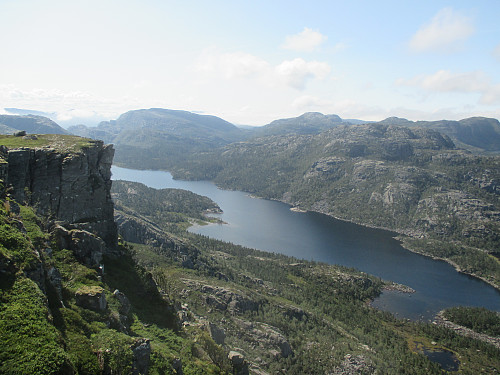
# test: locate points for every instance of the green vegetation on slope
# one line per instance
(30, 343)
(293, 316)
(476, 318)
(45, 330)
(175, 208)
(282, 314)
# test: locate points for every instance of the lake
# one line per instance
(272, 226)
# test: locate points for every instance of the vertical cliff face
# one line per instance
(72, 187)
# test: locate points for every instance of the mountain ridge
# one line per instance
(194, 132)
(32, 124)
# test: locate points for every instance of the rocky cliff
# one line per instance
(60, 312)
(67, 180)
(70, 187)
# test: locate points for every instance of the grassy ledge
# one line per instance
(59, 142)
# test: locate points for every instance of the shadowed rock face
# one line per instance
(73, 187)
(92, 298)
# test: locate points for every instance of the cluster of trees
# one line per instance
(478, 319)
(173, 208)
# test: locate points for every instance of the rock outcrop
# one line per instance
(240, 366)
(92, 298)
(70, 187)
(138, 229)
(354, 365)
(224, 299)
(141, 356)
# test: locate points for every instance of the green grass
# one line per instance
(14, 245)
(30, 343)
(60, 142)
(75, 275)
(32, 225)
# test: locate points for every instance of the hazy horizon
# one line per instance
(251, 63)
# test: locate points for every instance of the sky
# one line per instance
(251, 62)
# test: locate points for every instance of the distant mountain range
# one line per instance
(176, 132)
(70, 118)
(474, 133)
(412, 177)
(33, 124)
(161, 135)
(479, 134)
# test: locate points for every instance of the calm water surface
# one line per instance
(271, 226)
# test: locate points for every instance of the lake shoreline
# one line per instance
(441, 320)
(296, 208)
(315, 235)
(397, 236)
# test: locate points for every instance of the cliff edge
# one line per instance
(67, 180)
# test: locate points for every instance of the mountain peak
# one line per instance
(393, 120)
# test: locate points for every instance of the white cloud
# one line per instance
(446, 81)
(37, 94)
(66, 115)
(240, 64)
(305, 41)
(230, 65)
(296, 72)
(339, 47)
(307, 103)
(491, 96)
(444, 33)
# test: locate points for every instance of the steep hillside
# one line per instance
(411, 180)
(32, 124)
(72, 299)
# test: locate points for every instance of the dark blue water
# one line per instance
(445, 358)
(271, 226)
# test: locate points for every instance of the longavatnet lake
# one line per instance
(272, 226)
